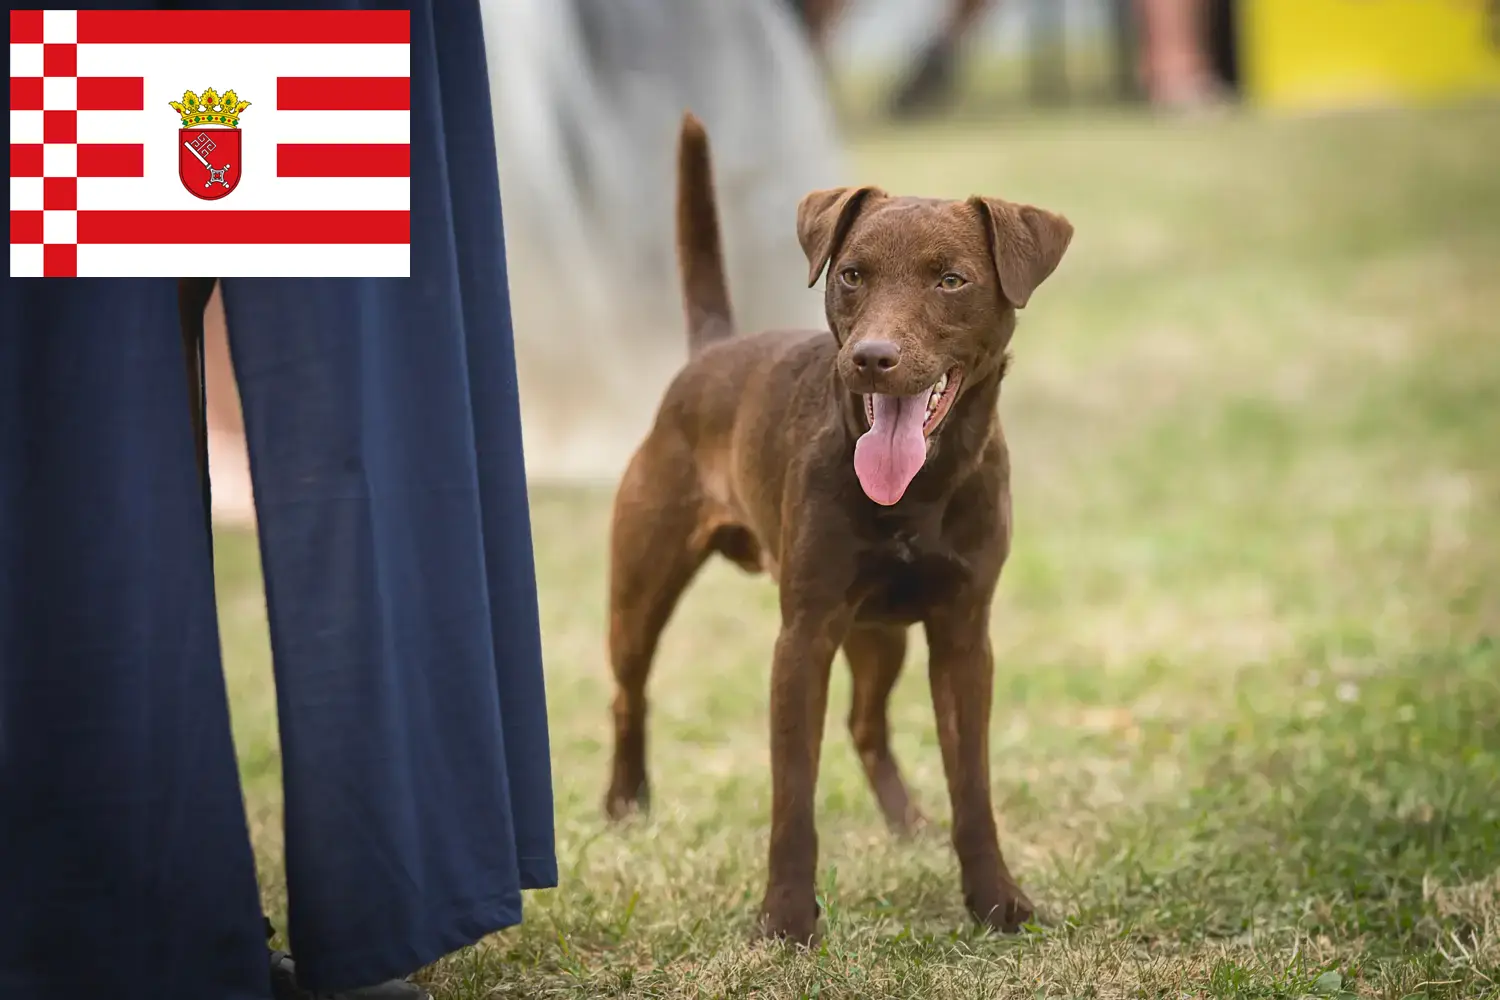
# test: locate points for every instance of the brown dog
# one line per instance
(867, 473)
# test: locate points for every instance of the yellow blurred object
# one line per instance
(1318, 54)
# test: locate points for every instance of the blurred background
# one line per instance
(587, 93)
(1248, 640)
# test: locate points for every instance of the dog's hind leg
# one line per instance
(656, 547)
(875, 654)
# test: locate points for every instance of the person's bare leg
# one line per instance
(1175, 66)
(228, 457)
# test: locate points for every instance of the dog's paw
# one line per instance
(790, 916)
(1006, 909)
(621, 803)
(909, 825)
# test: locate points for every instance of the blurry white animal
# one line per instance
(587, 98)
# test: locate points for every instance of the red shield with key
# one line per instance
(208, 161)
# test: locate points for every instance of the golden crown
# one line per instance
(210, 108)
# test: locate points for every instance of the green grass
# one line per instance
(1247, 713)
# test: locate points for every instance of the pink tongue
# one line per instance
(890, 453)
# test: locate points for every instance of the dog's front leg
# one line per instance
(799, 685)
(961, 668)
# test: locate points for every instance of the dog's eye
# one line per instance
(952, 282)
(851, 277)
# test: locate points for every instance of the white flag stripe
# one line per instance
(25, 194)
(59, 227)
(60, 93)
(345, 126)
(256, 190)
(59, 26)
(265, 131)
(59, 159)
(25, 260)
(195, 67)
(26, 60)
(377, 260)
(25, 126)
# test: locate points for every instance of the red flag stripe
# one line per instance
(95, 93)
(26, 159)
(60, 193)
(95, 159)
(26, 93)
(343, 93)
(60, 59)
(210, 227)
(25, 227)
(25, 27)
(60, 260)
(111, 93)
(60, 126)
(240, 27)
(351, 159)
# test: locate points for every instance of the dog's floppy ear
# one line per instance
(1027, 244)
(824, 218)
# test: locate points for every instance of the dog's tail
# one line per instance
(700, 254)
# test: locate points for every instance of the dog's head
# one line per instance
(921, 296)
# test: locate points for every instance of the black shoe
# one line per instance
(284, 984)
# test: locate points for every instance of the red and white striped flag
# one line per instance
(210, 143)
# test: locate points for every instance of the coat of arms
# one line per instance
(208, 154)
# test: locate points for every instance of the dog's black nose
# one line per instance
(875, 356)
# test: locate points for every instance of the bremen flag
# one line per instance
(154, 143)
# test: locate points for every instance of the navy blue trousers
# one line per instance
(383, 425)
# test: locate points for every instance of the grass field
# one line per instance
(1247, 710)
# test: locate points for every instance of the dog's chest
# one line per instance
(902, 577)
